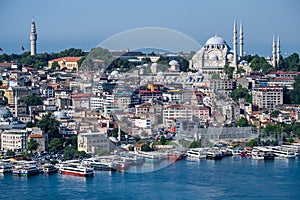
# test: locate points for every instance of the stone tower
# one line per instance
(278, 52)
(241, 40)
(274, 52)
(33, 38)
(234, 46)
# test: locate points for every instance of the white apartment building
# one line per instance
(267, 97)
(14, 139)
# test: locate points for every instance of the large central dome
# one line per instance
(215, 40)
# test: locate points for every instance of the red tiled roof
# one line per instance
(66, 59)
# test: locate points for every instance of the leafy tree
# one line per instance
(31, 100)
(69, 152)
(71, 141)
(240, 70)
(30, 124)
(146, 147)
(195, 144)
(163, 140)
(54, 65)
(229, 71)
(258, 63)
(252, 143)
(10, 153)
(294, 94)
(56, 144)
(241, 92)
(3, 101)
(275, 113)
(32, 145)
(243, 122)
(49, 125)
(290, 63)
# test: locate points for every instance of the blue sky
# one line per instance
(63, 24)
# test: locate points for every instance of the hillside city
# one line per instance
(79, 103)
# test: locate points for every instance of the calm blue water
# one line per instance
(230, 178)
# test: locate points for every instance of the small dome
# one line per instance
(173, 62)
(215, 40)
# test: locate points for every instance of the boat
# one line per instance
(29, 170)
(49, 169)
(5, 166)
(257, 154)
(76, 170)
(198, 153)
(214, 155)
(284, 153)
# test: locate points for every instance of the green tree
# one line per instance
(162, 140)
(241, 92)
(243, 122)
(275, 113)
(70, 152)
(56, 144)
(145, 147)
(260, 63)
(10, 153)
(294, 94)
(228, 71)
(102, 152)
(3, 101)
(290, 63)
(49, 125)
(54, 65)
(252, 143)
(195, 144)
(32, 145)
(31, 100)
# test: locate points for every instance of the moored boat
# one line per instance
(76, 170)
(5, 166)
(49, 169)
(214, 155)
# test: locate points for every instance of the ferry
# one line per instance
(49, 169)
(76, 170)
(198, 153)
(214, 155)
(25, 170)
(5, 166)
(99, 164)
(284, 153)
(262, 153)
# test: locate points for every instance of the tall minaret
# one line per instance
(278, 52)
(274, 52)
(234, 46)
(241, 40)
(33, 38)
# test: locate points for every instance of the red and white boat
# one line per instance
(76, 170)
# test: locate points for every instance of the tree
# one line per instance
(31, 100)
(243, 122)
(275, 113)
(102, 152)
(145, 147)
(195, 144)
(32, 145)
(71, 141)
(241, 92)
(56, 144)
(163, 140)
(294, 94)
(10, 153)
(49, 125)
(54, 65)
(258, 63)
(228, 71)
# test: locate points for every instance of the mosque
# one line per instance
(216, 53)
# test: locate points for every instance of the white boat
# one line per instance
(99, 164)
(49, 169)
(76, 170)
(284, 153)
(198, 153)
(5, 166)
(257, 154)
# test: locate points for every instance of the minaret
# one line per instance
(241, 40)
(274, 52)
(234, 46)
(33, 38)
(278, 52)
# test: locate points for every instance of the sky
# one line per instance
(63, 24)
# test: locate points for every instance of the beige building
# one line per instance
(66, 62)
(267, 97)
(93, 142)
(14, 139)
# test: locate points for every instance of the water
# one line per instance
(230, 178)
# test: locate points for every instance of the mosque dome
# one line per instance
(114, 73)
(173, 62)
(215, 40)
